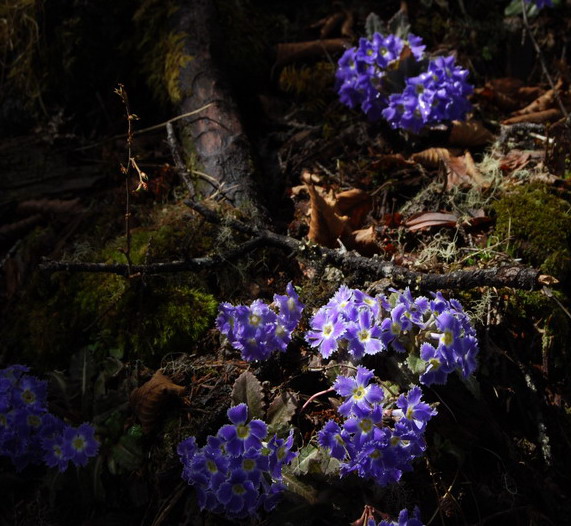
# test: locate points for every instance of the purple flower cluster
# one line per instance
(237, 473)
(436, 95)
(350, 319)
(364, 444)
(257, 330)
(405, 519)
(29, 434)
(362, 324)
(541, 3)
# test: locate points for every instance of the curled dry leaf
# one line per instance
(539, 117)
(432, 158)
(425, 220)
(354, 203)
(364, 241)
(544, 102)
(428, 219)
(470, 134)
(149, 399)
(325, 225)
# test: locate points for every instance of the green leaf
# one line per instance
(374, 24)
(399, 25)
(128, 453)
(416, 364)
(472, 385)
(248, 390)
(300, 488)
(308, 461)
(282, 408)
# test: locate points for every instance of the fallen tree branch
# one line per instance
(508, 276)
(153, 268)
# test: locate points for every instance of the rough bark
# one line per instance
(510, 276)
(216, 136)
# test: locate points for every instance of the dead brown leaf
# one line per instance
(470, 134)
(364, 241)
(149, 399)
(354, 203)
(325, 225)
(544, 102)
(515, 160)
(539, 117)
(432, 158)
(428, 219)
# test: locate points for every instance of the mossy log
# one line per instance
(215, 138)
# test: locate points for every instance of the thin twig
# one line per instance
(149, 129)
(153, 268)
(126, 169)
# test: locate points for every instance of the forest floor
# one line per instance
(112, 263)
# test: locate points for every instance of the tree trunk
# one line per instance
(215, 137)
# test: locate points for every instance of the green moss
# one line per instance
(536, 225)
(162, 51)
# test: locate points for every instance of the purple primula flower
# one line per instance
(256, 330)
(280, 454)
(325, 332)
(290, 308)
(242, 436)
(271, 495)
(438, 365)
(30, 392)
(404, 519)
(394, 326)
(79, 444)
(415, 45)
(330, 437)
(364, 335)
(226, 320)
(235, 473)
(252, 463)
(238, 495)
(541, 3)
(414, 409)
(357, 392)
(364, 301)
(53, 453)
(362, 424)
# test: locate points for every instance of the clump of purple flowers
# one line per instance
(437, 330)
(29, 434)
(541, 3)
(365, 78)
(364, 444)
(258, 330)
(405, 519)
(350, 319)
(237, 472)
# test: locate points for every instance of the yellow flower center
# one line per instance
(243, 431)
(359, 392)
(28, 396)
(238, 489)
(78, 443)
